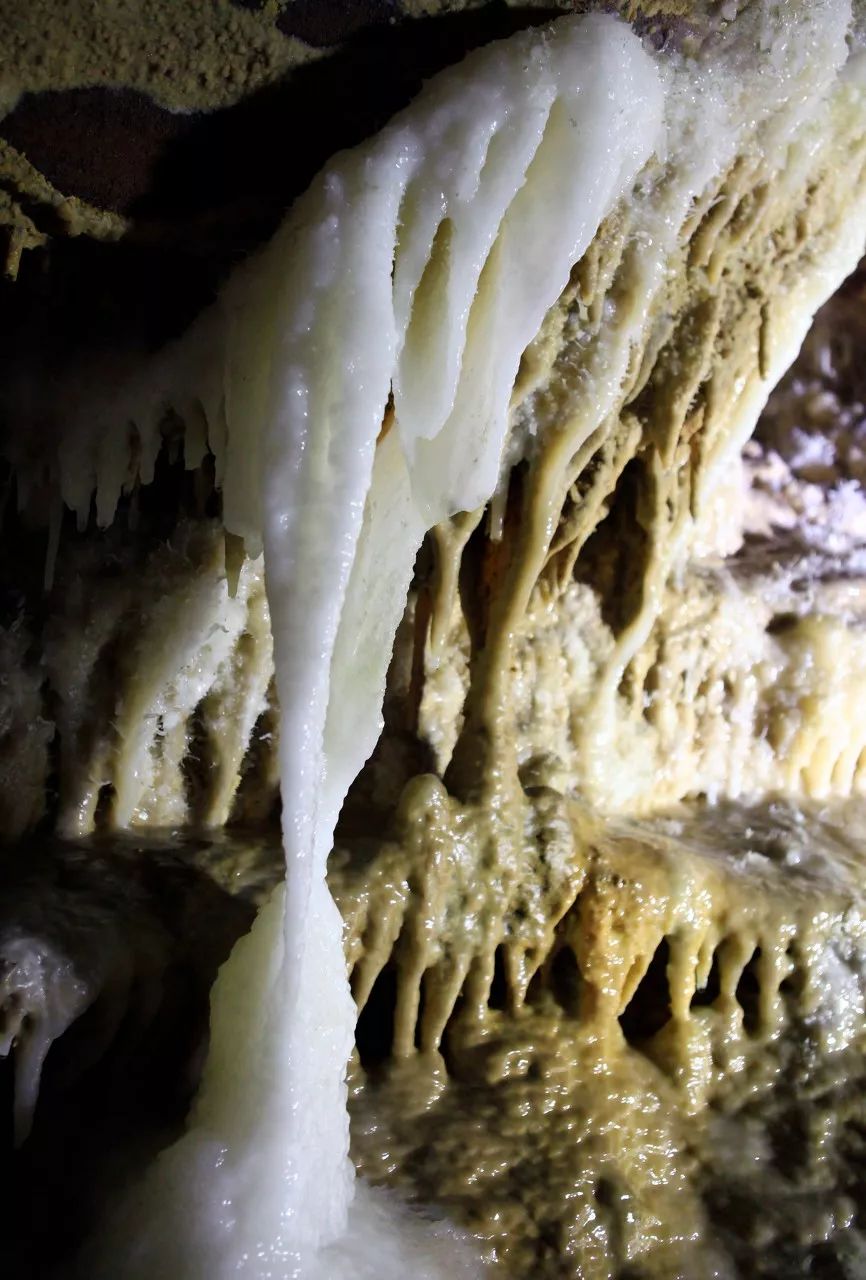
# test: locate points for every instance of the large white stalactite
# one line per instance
(416, 270)
(403, 271)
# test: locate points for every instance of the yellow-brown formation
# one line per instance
(560, 954)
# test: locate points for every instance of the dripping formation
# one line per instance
(654, 340)
(309, 387)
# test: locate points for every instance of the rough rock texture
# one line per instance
(539, 905)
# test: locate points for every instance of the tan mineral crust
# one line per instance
(602, 880)
(193, 58)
